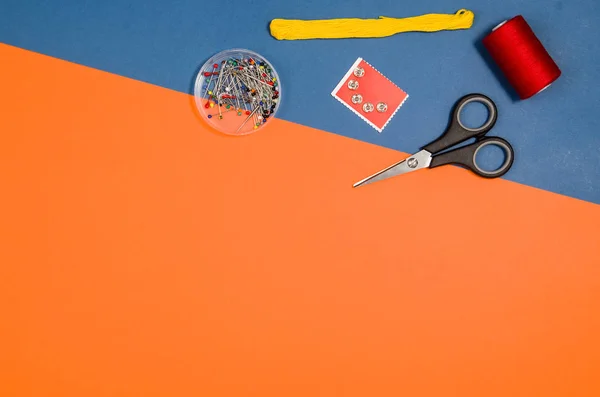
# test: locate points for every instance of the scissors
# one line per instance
(436, 153)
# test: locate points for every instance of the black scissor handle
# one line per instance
(466, 157)
(457, 132)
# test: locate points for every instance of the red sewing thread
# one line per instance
(521, 57)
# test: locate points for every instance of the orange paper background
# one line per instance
(144, 255)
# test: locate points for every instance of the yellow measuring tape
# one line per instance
(294, 29)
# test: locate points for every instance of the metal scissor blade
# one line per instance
(415, 162)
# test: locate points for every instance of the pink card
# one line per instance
(369, 94)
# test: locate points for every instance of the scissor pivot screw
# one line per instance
(412, 162)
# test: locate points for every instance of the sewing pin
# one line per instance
(215, 66)
(247, 118)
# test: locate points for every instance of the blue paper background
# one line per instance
(556, 134)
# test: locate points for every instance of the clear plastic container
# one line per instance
(237, 92)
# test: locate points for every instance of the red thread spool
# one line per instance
(521, 57)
